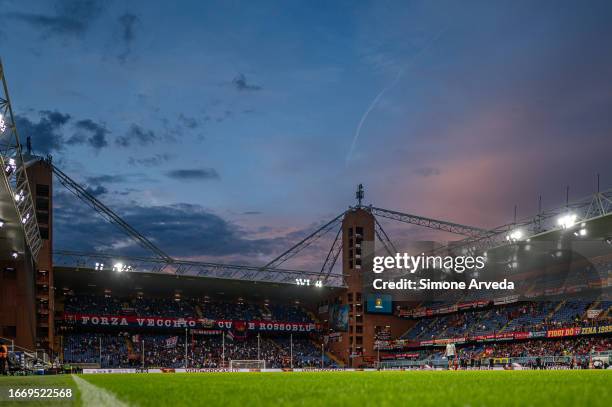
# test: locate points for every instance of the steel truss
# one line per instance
(304, 243)
(107, 213)
(135, 264)
(384, 238)
(445, 226)
(592, 206)
(14, 172)
(332, 256)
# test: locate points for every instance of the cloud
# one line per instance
(127, 23)
(427, 171)
(90, 132)
(71, 18)
(138, 135)
(193, 174)
(46, 133)
(251, 213)
(97, 191)
(106, 179)
(241, 84)
(154, 161)
(181, 230)
(189, 122)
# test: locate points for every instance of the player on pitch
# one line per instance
(450, 354)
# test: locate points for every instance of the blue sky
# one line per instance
(240, 121)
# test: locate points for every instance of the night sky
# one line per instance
(228, 130)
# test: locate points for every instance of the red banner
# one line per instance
(161, 322)
(556, 333)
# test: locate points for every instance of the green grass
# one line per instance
(380, 389)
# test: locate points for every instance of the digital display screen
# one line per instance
(379, 304)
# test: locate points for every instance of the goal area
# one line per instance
(247, 364)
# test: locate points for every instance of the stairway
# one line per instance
(333, 357)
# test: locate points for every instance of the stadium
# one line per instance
(131, 323)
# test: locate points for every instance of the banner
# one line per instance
(132, 321)
(502, 336)
(556, 333)
(338, 317)
(171, 342)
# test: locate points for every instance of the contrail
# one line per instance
(384, 90)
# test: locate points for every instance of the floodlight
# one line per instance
(14, 254)
(567, 221)
(11, 166)
(2, 124)
(515, 235)
(582, 232)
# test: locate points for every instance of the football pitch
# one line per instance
(418, 388)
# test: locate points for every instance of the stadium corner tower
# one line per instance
(26, 284)
(352, 340)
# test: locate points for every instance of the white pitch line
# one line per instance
(92, 395)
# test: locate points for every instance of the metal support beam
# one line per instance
(304, 243)
(332, 256)
(445, 226)
(14, 173)
(384, 238)
(107, 213)
(592, 206)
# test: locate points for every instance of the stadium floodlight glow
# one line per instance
(19, 196)
(2, 124)
(567, 221)
(1, 223)
(120, 267)
(99, 266)
(11, 166)
(581, 233)
(25, 218)
(515, 235)
(14, 254)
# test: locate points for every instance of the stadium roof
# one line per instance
(158, 285)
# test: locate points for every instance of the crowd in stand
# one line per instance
(524, 316)
(183, 308)
(577, 350)
(125, 350)
(111, 350)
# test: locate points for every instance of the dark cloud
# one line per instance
(46, 133)
(91, 133)
(427, 171)
(97, 191)
(106, 179)
(181, 230)
(136, 135)
(241, 84)
(193, 174)
(189, 122)
(71, 17)
(154, 161)
(127, 23)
